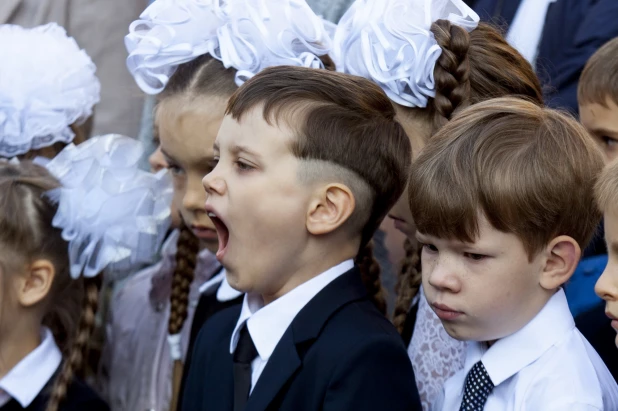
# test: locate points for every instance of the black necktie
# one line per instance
(244, 354)
(477, 389)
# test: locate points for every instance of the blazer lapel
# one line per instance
(7, 8)
(279, 369)
(306, 326)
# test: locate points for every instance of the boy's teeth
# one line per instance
(212, 215)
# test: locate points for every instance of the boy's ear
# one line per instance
(330, 207)
(563, 254)
(35, 283)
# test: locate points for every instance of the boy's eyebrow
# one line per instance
(236, 149)
(614, 247)
(604, 131)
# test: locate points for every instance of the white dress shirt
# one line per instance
(547, 365)
(526, 30)
(267, 324)
(225, 292)
(26, 380)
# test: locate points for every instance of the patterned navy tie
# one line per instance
(478, 387)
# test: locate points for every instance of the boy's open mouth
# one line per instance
(222, 232)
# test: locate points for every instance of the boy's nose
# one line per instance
(213, 183)
(607, 285)
(443, 275)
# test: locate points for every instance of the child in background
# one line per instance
(607, 286)
(502, 203)
(158, 313)
(57, 234)
(48, 90)
(597, 97)
(432, 58)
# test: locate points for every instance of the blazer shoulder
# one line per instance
(217, 328)
(361, 318)
(80, 397)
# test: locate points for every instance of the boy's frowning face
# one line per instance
(259, 203)
(602, 123)
(482, 291)
(607, 285)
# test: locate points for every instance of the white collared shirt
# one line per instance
(547, 365)
(26, 379)
(267, 324)
(526, 30)
(225, 292)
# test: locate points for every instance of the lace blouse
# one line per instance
(435, 355)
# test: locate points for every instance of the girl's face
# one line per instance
(187, 130)
(418, 128)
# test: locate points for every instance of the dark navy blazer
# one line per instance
(573, 31)
(338, 354)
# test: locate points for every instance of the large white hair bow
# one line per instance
(113, 214)
(47, 83)
(246, 35)
(390, 42)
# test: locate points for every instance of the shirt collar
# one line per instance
(225, 292)
(509, 355)
(28, 378)
(267, 324)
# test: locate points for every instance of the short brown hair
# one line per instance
(339, 119)
(530, 170)
(606, 189)
(599, 80)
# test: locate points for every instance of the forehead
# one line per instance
(255, 133)
(188, 129)
(594, 115)
(489, 237)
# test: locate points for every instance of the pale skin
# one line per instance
(602, 123)
(23, 308)
(187, 130)
(490, 288)
(607, 285)
(276, 232)
(418, 130)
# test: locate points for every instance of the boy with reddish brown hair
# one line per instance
(308, 164)
(502, 200)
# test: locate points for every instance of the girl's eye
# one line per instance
(429, 248)
(475, 257)
(608, 141)
(175, 170)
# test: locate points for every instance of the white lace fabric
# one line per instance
(435, 355)
(47, 83)
(246, 35)
(390, 43)
(113, 214)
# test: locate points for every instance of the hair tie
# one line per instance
(112, 214)
(245, 35)
(47, 83)
(390, 43)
